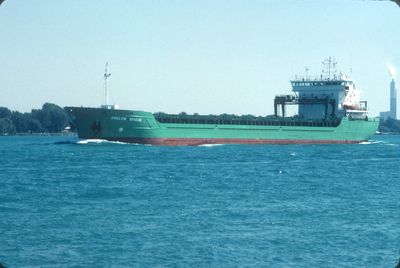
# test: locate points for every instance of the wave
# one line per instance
(385, 143)
(372, 142)
(210, 145)
(101, 141)
(391, 144)
(365, 142)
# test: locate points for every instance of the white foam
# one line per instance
(372, 142)
(91, 141)
(210, 145)
(101, 141)
(365, 142)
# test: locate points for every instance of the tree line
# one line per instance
(51, 118)
(389, 126)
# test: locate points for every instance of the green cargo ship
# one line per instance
(329, 111)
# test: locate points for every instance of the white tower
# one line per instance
(393, 100)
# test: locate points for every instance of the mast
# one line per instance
(307, 70)
(330, 65)
(106, 76)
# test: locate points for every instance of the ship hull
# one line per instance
(143, 128)
(199, 141)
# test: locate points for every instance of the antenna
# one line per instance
(307, 69)
(106, 76)
(330, 67)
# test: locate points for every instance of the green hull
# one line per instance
(142, 127)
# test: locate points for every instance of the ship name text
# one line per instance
(124, 118)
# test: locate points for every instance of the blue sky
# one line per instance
(194, 56)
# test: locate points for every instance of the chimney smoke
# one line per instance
(392, 71)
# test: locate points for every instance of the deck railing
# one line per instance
(262, 121)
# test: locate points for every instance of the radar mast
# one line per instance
(330, 68)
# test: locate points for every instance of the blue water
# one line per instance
(68, 204)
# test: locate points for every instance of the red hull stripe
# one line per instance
(194, 142)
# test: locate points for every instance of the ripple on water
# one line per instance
(65, 203)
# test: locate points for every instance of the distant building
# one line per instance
(393, 103)
(384, 115)
(393, 100)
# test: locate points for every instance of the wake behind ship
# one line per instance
(329, 111)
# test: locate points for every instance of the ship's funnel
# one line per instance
(392, 71)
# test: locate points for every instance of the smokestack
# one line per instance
(393, 99)
(393, 92)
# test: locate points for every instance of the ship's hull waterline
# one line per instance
(143, 128)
